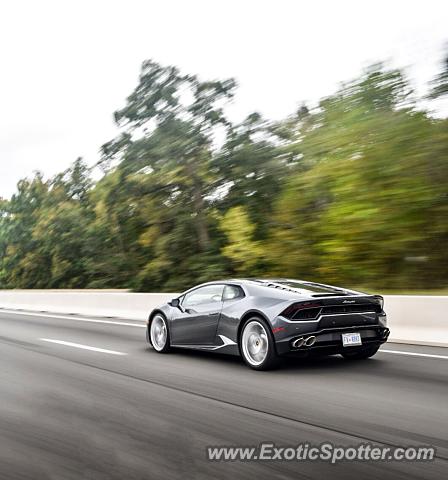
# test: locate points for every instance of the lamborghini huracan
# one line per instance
(266, 319)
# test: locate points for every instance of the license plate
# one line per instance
(349, 339)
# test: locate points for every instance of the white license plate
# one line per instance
(349, 339)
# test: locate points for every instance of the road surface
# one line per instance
(85, 398)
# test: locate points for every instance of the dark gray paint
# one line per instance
(204, 327)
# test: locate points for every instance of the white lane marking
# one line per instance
(414, 354)
(127, 324)
(65, 317)
(84, 347)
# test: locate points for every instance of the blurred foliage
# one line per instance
(352, 191)
(440, 83)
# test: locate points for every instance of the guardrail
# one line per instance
(419, 319)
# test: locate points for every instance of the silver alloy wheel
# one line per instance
(159, 333)
(255, 343)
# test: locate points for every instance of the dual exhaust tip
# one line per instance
(307, 342)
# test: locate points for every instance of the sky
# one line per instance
(67, 65)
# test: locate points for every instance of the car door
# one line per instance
(197, 321)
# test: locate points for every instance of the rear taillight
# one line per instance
(299, 311)
(380, 300)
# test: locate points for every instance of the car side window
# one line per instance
(232, 292)
(202, 295)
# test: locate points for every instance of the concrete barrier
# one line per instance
(412, 319)
(98, 303)
(418, 319)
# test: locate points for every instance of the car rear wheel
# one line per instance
(159, 334)
(362, 353)
(257, 345)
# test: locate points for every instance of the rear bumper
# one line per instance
(329, 340)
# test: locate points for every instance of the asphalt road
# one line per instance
(125, 412)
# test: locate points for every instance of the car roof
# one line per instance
(295, 286)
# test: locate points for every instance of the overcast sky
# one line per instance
(67, 65)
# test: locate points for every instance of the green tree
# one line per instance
(244, 253)
(352, 191)
(164, 162)
(359, 212)
(21, 267)
(250, 170)
(439, 86)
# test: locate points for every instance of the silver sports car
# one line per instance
(263, 320)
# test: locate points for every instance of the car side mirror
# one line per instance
(175, 302)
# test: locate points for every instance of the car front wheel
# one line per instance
(159, 334)
(257, 345)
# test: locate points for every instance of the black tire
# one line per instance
(271, 359)
(166, 346)
(361, 353)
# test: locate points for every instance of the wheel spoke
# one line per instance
(158, 333)
(255, 343)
